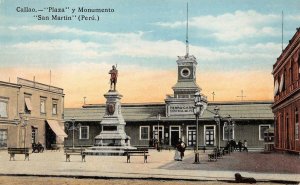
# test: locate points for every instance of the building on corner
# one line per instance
(30, 112)
(286, 106)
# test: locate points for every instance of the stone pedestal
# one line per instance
(112, 140)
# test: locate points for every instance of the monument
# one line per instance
(112, 139)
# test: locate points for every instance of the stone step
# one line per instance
(107, 150)
(104, 152)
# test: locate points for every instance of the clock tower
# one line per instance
(182, 102)
(186, 85)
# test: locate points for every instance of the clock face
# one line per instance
(185, 72)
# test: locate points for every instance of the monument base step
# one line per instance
(107, 150)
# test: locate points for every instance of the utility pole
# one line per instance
(213, 93)
(84, 100)
(242, 95)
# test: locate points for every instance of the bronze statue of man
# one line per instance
(113, 77)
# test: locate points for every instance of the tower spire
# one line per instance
(282, 30)
(187, 29)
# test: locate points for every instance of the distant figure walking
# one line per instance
(245, 146)
(179, 150)
(182, 149)
(177, 156)
(240, 144)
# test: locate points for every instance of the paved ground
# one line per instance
(161, 166)
(244, 162)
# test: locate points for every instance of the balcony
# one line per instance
(292, 88)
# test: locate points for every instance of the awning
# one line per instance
(56, 128)
(28, 103)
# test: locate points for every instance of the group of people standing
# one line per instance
(243, 146)
(232, 145)
(240, 145)
(179, 150)
(181, 146)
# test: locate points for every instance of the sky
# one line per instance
(236, 43)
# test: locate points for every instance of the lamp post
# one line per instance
(200, 105)
(217, 118)
(24, 122)
(73, 128)
(158, 141)
(181, 132)
(229, 125)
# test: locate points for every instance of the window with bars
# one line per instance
(34, 134)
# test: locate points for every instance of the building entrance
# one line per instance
(34, 134)
(174, 134)
(50, 136)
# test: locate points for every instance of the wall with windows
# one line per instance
(40, 103)
(8, 101)
(28, 102)
(135, 135)
(287, 127)
(8, 114)
(252, 131)
(286, 73)
(142, 121)
(83, 135)
(142, 133)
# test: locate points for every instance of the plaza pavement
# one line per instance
(160, 166)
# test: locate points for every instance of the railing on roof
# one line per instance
(185, 96)
(38, 85)
(187, 57)
(287, 48)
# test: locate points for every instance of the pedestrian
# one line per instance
(240, 144)
(177, 156)
(182, 149)
(245, 146)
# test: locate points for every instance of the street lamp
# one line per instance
(24, 122)
(73, 128)
(217, 118)
(200, 106)
(158, 141)
(229, 125)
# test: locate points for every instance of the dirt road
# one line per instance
(17, 180)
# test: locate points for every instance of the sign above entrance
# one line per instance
(180, 109)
